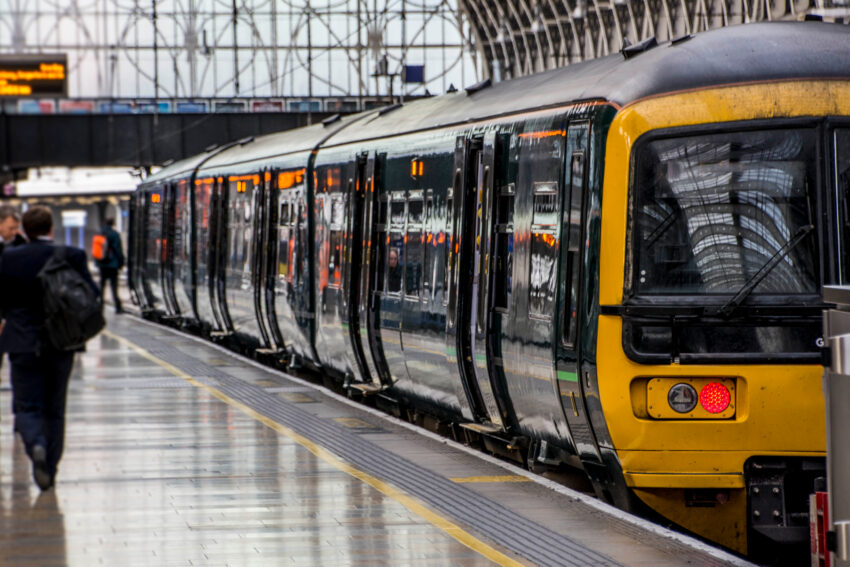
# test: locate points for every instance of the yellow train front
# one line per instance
(724, 210)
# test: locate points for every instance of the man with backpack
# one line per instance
(107, 254)
(41, 349)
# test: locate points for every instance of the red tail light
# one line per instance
(714, 397)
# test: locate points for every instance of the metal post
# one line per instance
(836, 389)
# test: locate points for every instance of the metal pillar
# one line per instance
(836, 390)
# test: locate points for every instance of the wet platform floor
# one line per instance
(179, 453)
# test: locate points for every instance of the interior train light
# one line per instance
(714, 397)
(682, 398)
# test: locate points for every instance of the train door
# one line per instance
(469, 261)
(270, 260)
(218, 254)
(259, 258)
(353, 265)
(169, 230)
(374, 235)
(569, 383)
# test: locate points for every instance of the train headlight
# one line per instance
(682, 398)
(714, 397)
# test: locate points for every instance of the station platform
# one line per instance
(178, 452)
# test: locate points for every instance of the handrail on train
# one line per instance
(836, 390)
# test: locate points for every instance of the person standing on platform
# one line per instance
(10, 225)
(10, 235)
(111, 260)
(39, 371)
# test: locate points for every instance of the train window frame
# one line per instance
(449, 242)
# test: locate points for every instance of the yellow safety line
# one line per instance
(504, 478)
(409, 502)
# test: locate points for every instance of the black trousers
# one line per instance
(110, 275)
(40, 387)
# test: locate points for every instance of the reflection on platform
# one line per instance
(157, 471)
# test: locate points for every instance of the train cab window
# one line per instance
(721, 224)
(713, 210)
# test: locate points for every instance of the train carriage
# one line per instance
(614, 266)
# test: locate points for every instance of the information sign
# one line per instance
(31, 76)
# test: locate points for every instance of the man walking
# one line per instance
(39, 371)
(10, 224)
(111, 261)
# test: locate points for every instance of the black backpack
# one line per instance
(73, 311)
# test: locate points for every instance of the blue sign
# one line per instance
(413, 74)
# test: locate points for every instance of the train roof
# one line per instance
(736, 54)
(180, 168)
(744, 53)
(281, 143)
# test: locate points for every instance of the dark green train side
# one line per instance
(469, 262)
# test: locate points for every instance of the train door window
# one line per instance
(335, 260)
(413, 246)
(540, 168)
(542, 282)
(382, 243)
(429, 264)
(284, 251)
(449, 243)
(504, 248)
(842, 185)
(395, 245)
(395, 262)
(576, 185)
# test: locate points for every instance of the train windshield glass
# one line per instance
(721, 213)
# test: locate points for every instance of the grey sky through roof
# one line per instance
(244, 48)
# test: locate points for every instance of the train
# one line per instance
(614, 267)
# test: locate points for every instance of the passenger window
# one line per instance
(415, 211)
(397, 213)
(395, 262)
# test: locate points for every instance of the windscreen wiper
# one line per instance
(730, 306)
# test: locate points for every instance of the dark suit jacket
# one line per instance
(21, 297)
(17, 241)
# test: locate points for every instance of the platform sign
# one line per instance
(32, 76)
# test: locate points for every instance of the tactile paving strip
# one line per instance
(520, 535)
